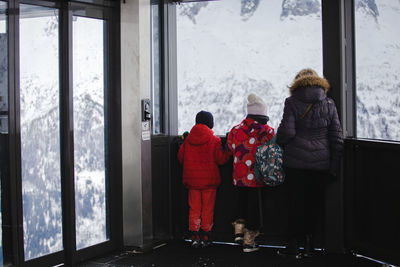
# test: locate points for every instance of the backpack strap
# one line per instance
(273, 139)
(307, 110)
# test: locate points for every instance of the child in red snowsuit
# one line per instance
(200, 154)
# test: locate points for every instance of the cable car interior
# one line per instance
(96, 97)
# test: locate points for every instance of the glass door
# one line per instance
(40, 130)
(89, 132)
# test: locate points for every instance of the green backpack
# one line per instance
(268, 164)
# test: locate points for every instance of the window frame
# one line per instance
(339, 69)
(9, 185)
(333, 67)
(168, 97)
(112, 118)
(53, 258)
(352, 67)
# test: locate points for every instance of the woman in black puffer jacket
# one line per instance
(311, 136)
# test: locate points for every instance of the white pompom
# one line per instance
(252, 98)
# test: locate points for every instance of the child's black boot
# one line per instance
(206, 239)
(195, 239)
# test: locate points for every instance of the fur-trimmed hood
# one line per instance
(309, 81)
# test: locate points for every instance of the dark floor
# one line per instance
(178, 253)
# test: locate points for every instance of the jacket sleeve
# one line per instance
(229, 142)
(221, 155)
(287, 128)
(335, 134)
(270, 133)
(181, 152)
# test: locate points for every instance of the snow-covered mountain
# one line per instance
(89, 132)
(248, 7)
(377, 69)
(191, 10)
(221, 60)
(300, 8)
(368, 7)
(228, 53)
(40, 138)
(40, 134)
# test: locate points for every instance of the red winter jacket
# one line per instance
(243, 141)
(200, 155)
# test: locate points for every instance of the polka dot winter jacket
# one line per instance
(243, 141)
(200, 154)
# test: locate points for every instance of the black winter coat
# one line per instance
(315, 141)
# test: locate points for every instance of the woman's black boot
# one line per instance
(308, 246)
(291, 250)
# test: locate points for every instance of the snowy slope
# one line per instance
(40, 134)
(223, 57)
(225, 53)
(377, 66)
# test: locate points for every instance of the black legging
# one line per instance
(247, 206)
(306, 201)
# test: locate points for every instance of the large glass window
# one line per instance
(156, 67)
(377, 47)
(40, 130)
(227, 49)
(3, 107)
(54, 99)
(89, 131)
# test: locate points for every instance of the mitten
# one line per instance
(184, 135)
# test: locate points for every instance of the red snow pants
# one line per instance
(201, 209)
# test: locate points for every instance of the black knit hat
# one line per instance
(206, 118)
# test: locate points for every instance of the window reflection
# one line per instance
(377, 68)
(89, 131)
(229, 48)
(40, 131)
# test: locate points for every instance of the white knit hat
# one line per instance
(255, 105)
